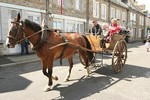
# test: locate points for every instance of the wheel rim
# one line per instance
(119, 56)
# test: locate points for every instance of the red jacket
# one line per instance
(114, 29)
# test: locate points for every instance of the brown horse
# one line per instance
(21, 29)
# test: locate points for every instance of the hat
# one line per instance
(94, 21)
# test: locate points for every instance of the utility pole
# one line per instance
(47, 13)
(87, 16)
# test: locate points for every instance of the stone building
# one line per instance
(73, 16)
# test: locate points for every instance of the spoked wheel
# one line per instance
(119, 56)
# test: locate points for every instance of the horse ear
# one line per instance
(18, 17)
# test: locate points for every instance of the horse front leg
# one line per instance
(48, 74)
(50, 82)
(70, 61)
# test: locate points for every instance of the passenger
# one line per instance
(113, 29)
(105, 29)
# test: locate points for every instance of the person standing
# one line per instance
(24, 47)
(96, 29)
(147, 44)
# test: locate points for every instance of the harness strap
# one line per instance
(42, 40)
(65, 47)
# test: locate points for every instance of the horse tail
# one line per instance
(88, 46)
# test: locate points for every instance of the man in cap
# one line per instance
(96, 29)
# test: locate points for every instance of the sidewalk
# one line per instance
(12, 60)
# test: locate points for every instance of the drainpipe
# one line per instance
(47, 13)
(127, 19)
(1, 25)
(87, 16)
(109, 11)
(143, 34)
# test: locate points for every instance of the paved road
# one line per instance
(26, 81)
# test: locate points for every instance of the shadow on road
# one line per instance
(10, 79)
(88, 86)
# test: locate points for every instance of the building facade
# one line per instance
(7, 13)
(73, 16)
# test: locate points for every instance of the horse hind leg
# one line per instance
(70, 61)
(86, 60)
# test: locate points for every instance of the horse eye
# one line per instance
(14, 30)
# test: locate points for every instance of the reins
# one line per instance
(32, 35)
(76, 46)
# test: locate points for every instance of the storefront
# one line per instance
(68, 24)
(7, 13)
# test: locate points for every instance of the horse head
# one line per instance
(15, 33)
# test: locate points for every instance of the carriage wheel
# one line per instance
(119, 56)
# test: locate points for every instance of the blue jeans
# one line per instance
(24, 48)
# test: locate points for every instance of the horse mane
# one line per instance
(36, 27)
(32, 25)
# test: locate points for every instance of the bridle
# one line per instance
(16, 31)
(21, 26)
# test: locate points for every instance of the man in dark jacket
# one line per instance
(96, 29)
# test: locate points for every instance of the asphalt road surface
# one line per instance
(26, 82)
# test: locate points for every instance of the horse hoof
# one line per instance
(55, 78)
(87, 75)
(66, 80)
(47, 88)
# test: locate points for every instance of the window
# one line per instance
(64, 2)
(113, 13)
(118, 14)
(123, 16)
(80, 27)
(132, 18)
(70, 26)
(96, 9)
(36, 19)
(79, 4)
(30, 18)
(140, 31)
(57, 25)
(103, 11)
(13, 13)
(141, 20)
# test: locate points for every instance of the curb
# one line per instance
(18, 63)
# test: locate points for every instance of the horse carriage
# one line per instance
(116, 47)
(50, 45)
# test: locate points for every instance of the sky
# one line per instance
(146, 2)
